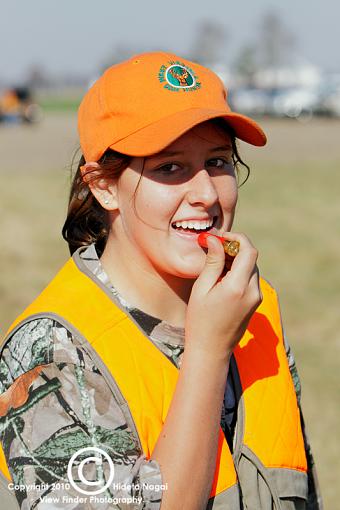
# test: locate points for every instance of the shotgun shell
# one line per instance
(231, 248)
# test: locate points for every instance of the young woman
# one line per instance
(148, 374)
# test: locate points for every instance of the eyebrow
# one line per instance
(166, 153)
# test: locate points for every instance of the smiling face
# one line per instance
(190, 185)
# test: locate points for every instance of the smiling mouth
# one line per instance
(195, 230)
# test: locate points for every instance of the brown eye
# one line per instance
(219, 162)
(169, 168)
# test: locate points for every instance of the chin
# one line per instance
(185, 267)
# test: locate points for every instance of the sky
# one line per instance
(78, 36)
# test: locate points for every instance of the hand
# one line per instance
(219, 309)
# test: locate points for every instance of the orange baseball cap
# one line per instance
(140, 106)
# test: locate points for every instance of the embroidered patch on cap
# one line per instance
(177, 76)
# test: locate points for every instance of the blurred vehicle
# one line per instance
(274, 101)
(300, 102)
(17, 105)
(296, 102)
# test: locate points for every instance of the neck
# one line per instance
(161, 295)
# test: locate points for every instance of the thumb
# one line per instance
(214, 265)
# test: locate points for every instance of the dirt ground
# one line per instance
(289, 208)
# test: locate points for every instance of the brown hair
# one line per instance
(87, 221)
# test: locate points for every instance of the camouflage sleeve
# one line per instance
(314, 501)
(63, 433)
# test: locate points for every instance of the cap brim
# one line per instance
(155, 137)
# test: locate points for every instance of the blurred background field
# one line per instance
(289, 207)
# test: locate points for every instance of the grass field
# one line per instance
(289, 208)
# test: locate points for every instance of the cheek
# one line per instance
(156, 203)
(228, 195)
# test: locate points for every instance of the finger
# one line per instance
(254, 282)
(213, 267)
(254, 290)
(243, 264)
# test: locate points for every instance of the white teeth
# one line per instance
(197, 225)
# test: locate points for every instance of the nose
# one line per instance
(201, 189)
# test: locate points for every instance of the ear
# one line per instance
(104, 190)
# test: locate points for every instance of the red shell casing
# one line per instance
(202, 239)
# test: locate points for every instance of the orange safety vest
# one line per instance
(272, 428)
